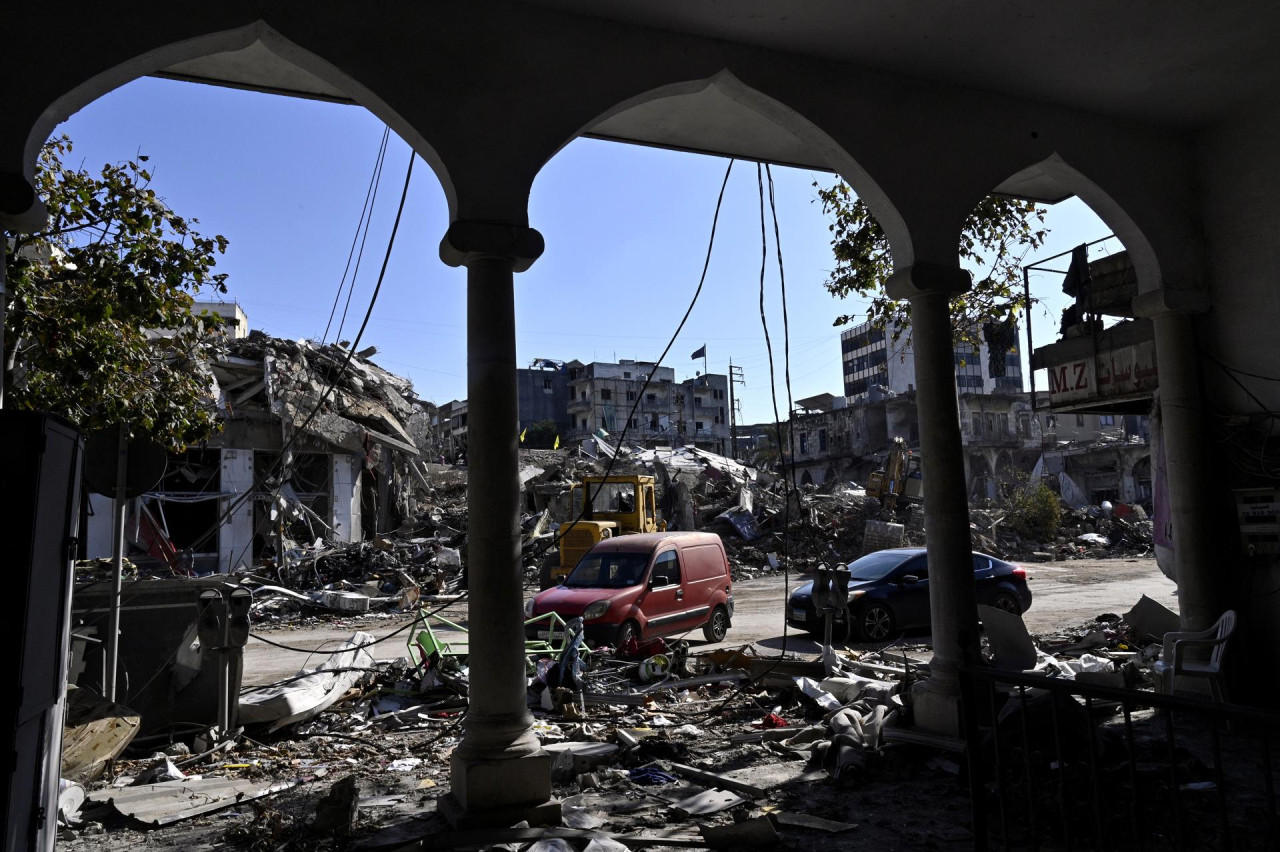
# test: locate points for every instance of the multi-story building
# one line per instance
(706, 412)
(603, 396)
(874, 358)
(542, 392)
(453, 428)
(615, 396)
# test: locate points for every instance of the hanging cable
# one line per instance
(589, 499)
(337, 376)
(366, 214)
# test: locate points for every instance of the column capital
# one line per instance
(1167, 300)
(922, 278)
(468, 241)
(20, 208)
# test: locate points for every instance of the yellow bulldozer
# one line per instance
(899, 479)
(618, 505)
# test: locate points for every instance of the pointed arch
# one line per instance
(225, 41)
(748, 109)
(1054, 172)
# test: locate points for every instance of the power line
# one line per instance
(366, 206)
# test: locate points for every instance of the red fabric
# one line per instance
(635, 650)
(773, 720)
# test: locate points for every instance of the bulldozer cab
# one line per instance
(618, 505)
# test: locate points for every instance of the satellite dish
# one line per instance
(144, 466)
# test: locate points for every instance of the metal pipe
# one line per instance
(117, 563)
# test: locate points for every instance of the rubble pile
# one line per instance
(1088, 532)
(652, 740)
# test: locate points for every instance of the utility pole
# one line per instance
(735, 377)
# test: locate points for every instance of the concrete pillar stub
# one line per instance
(499, 773)
(952, 603)
(1182, 420)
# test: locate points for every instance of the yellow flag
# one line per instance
(556, 445)
(522, 434)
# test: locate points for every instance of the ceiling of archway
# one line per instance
(1183, 63)
(1178, 62)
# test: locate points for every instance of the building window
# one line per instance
(632, 423)
(822, 440)
(653, 397)
(653, 421)
(717, 418)
(698, 425)
(977, 424)
(697, 400)
(605, 393)
(631, 396)
(584, 423)
(546, 384)
(804, 443)
(625, 374)
(1106, 420)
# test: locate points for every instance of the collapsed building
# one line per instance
(277, 475)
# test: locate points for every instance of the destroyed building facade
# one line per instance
(345, 472)
(1172, 142)
(694, 412)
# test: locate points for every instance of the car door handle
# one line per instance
(679, 594)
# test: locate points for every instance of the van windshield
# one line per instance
(608, 570)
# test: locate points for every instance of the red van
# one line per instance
(644, 585)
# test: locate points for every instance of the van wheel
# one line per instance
(717, 626)
(626, 630)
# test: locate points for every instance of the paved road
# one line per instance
(1064, 594)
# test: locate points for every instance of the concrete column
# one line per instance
(499, 773)
(952, 604)
(1182, 422)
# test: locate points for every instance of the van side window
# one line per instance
(666, 569)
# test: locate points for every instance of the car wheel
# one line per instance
(717, 626)
(1007, 603)
(875, 622)
(626, 630)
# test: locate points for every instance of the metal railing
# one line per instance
(1059, 764)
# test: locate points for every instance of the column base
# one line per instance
(459, 818)
(500, 792)
(935, 710)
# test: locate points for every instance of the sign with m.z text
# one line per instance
(1118, 372)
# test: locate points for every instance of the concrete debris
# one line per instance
(312, 691)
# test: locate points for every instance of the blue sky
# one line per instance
(626, 229)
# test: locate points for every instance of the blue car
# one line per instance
(889, 593)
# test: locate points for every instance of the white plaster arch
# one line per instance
(1072, 181)
(229, 40)
(754, 102)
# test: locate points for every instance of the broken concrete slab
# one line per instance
(708, 802)
(306, 695)
(1010, 643)
(1152, 619)
(172, 801)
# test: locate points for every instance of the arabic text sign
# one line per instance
(1118, 372)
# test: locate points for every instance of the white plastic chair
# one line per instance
(1174, 662)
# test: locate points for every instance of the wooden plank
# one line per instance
(96, 731)
(713, 779)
